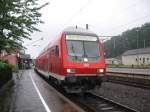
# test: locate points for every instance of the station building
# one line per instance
(19, 59)
(136, 57)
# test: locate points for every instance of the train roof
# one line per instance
(78, 31)
(73, 31)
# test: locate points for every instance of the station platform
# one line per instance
(33, 94)
(129, 71)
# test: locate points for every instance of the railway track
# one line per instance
(136, 80)
(134, 84)
(130, 75)
(93, 103)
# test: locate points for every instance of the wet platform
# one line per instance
(33, 94)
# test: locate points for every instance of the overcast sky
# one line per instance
(105, 17)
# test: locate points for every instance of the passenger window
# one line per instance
(57, 50)
(53, 51)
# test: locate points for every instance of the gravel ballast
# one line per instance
(136, 98)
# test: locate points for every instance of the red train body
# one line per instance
(75, 61)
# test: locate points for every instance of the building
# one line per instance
(24, 61)
(113, 61)
(136, 57)
(10, 58)
(20, 60)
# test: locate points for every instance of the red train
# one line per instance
(75, 61)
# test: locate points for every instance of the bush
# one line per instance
(5, 72)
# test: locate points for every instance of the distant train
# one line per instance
(75, 61)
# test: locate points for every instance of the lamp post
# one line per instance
(114, 43)
(144, 43)
(137, 46)
(137, 41)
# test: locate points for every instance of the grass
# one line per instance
(5, 72)
(6, 93)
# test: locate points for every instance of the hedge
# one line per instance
(5, 72)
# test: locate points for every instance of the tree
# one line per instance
(18, 19)
(138, 37)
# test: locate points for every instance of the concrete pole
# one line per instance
(144, 43)
(87, 26)
(137, 46)
(114, 44)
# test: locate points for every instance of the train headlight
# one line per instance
(70, 70)
(100, 70)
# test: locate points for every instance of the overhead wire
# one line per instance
(128, 7)
(76, 13)
(118, 27)
(31, 43)
(132, 21)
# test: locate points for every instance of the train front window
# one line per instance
(82, 48)
(91, 49)
(75, 48)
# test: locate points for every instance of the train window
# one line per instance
(57, 50)
(83, 50)
(52, 51)
(91, 49)
(75, 48)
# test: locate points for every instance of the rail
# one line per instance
(94, 103)
(137, 80)
(91, 102)
(129, 71)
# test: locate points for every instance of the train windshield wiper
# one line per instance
(73, 50)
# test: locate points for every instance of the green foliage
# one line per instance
(131, 39)
(5, 72)
(18, 19)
